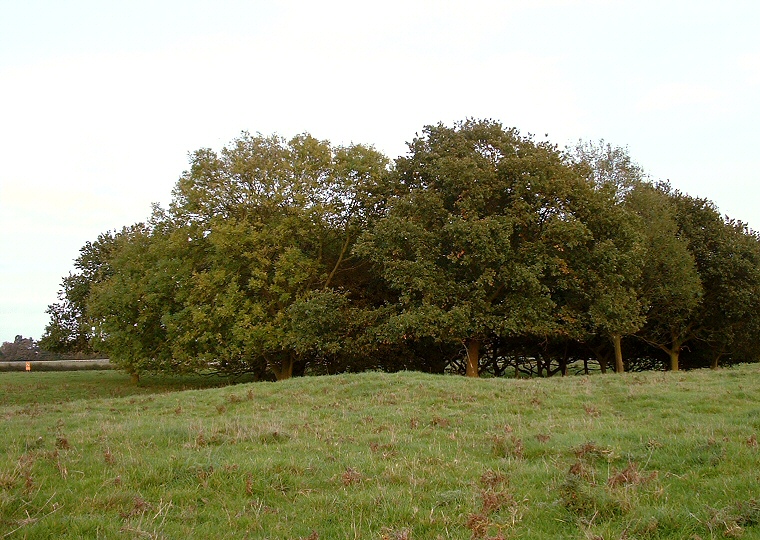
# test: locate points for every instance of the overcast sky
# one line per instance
(101, 101)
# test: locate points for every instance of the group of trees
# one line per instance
(23, 349)
(480, 250)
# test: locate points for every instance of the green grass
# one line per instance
(49, 387)
(404, 456)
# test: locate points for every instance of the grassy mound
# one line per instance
(403, 456)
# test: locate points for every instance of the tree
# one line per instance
(480, 249)
(670, 287)
(247, 269)
(128, 308)
(70, 327)
(20, 350)
(727, 259)
(608, 270)
(616, 308)
(483, 242)
(609, 167)
(735, 315)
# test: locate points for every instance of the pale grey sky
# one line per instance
(100, 102)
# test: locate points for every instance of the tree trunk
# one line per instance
(299, 368)
(602, 365)
(716, 359)
(135, 377)
(674, 352)
(601, 357)
(563, 366)
(473, 357)
(616, 342)
(284, 370)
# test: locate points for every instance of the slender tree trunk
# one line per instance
(616, 342)
(563, 367)
(716, 359)
(563, 362)
(473, 357)
(601, 358)
(343, 250)
(603, 365)
(135, 377)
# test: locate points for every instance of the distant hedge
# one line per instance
(58, 365)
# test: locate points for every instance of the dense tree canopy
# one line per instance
(497, 238)
(480, 250)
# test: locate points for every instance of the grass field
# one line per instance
(47, 388)
(377, 456)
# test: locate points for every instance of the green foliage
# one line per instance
(128, 308)
(479, 250)
(498, 237)
(671, 287)
(726, 256)
(610, 168)
(70, 327)
(247, 269)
